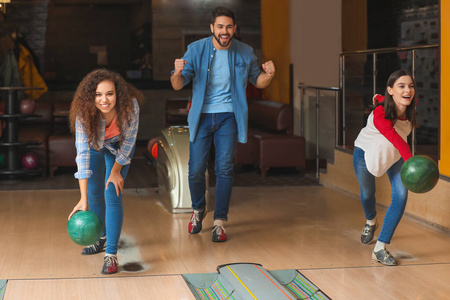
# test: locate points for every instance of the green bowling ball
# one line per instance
(84, 228)
(419, 174)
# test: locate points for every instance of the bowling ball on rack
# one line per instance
(27, 106)
(419, 174)
(84, 227)
(29, 161)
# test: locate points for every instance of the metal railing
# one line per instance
(340, 94)
(374, 53)
(302, 88)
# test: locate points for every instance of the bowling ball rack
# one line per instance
(12, 168)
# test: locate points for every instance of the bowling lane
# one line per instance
(306, 228)
(35, 243)
(153, 287)
(401, 282)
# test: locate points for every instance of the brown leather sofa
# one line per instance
(61, 152)
(176, 111)
(61, 144)
(271, 142)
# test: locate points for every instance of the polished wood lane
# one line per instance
(373, 283)
(313, 229)
(153, 287)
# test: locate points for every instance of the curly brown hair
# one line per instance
(83, 103)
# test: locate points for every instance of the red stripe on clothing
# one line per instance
(386, 128)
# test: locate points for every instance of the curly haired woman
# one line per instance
(104, 116)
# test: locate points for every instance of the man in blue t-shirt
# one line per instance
(219, 68)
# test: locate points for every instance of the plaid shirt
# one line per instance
(122, 151)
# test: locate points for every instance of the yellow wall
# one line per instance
(275, 46)
(444, 163)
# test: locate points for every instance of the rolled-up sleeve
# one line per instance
(188, 72)
(254, 70)
(83, 154)
(123, 156)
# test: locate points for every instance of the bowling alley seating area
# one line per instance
(176, 111)
(271, 142)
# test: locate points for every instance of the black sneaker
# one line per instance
(195, 224)
(219, 234)
(383, 256)
(367, 233)
(95, 248)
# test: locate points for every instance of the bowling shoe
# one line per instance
(110, 265)
(367, 233)
(383, 256)
(219, 234)
(95, 248)
(195, 224)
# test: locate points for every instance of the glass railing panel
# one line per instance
(359, 85)
(357, 93)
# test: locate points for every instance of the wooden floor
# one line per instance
(313, 229)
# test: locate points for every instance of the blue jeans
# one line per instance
(105, 203)
(220, 129)
(367, 188)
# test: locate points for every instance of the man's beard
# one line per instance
(218, 40)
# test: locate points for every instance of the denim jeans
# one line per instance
(220, 129)
(105, 203)
(367, 188)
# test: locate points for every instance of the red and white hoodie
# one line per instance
(383, 141)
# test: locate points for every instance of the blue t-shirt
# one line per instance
(218, 93)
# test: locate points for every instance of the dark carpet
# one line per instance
(251, 176)
(142, 174)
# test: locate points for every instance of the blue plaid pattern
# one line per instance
(122, 151)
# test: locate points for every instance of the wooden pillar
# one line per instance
(275, 46)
